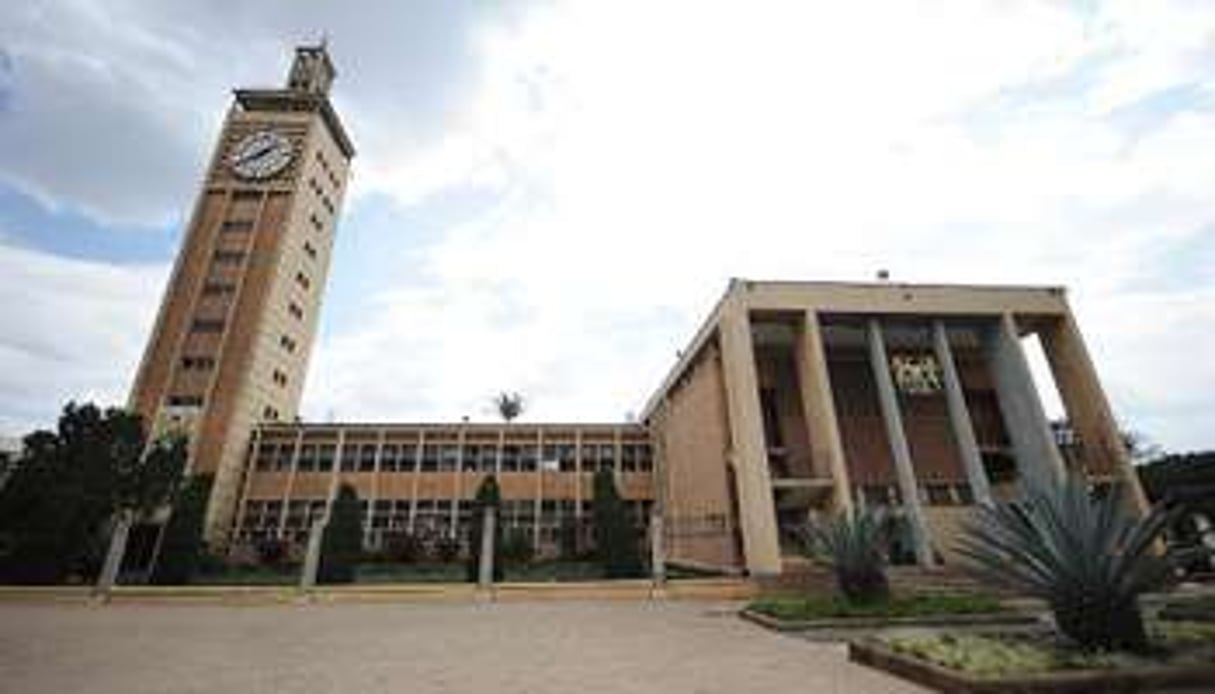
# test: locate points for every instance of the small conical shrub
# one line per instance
(342, 541)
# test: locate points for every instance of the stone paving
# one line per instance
(500, 648)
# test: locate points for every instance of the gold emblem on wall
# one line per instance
(916, 374)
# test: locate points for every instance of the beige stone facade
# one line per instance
(231, 343)
(794, 400)
(799, 399)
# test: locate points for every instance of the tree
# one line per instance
(56, 510)
(342, 541)
(852, 543)
(1087, 556)
(509, 405)
(616, 547)
(182, 545)
(488, 496)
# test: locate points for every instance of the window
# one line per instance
(310, 250)
(279, 377)
(302, 280)
(236, 226)
(185, 401)
(316, 222)
(307, 459)
(229, 257)
(286, 343)
(367, 457)
(269, 413)
(207, 326)
(218, 288)
(449, 457)
(388, 457)
(295, 310)
(197, 363)
(324, 458)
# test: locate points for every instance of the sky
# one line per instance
(548, 197)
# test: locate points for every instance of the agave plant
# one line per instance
(853, 544)
(1088, 557)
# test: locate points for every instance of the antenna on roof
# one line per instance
(883, 275)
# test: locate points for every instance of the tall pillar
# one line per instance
(748, 450)
(899, 450)
(818, 408)
(959, 417)
(1088, 411)
(1033, 444)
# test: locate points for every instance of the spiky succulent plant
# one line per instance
(1088, 556)
(853, 543)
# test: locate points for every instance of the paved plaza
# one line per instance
(500, 648)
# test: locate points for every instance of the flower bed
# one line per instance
(1184, 654)
(805, 613)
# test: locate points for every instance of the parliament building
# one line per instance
(793, 401)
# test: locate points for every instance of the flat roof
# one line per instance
(875, 298)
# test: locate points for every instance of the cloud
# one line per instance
(638, 164)
(549, 197)
(73, 330)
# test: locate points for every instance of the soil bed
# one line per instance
(1038, 661)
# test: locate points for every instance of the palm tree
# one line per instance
(1087, 556)
(509, 405)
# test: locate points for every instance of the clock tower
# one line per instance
(231, 342)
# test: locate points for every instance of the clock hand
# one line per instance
(257, 153)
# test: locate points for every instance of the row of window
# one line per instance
(931, 493)
(197, 363)
(263, 517)
(361, 457)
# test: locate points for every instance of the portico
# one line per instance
(916, 398)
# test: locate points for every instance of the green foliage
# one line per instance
(55, 510)
(342, 541)
(181, 547)
(404, 547)
(852, 545)
(918, 605)
(1087, 557)
(979, 655)
(616, 547)
(488, 496)
(517, 547)
(509, 405)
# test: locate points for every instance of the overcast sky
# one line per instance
(548, 198)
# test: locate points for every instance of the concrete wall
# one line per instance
(691, 433)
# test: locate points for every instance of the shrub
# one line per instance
(447, 549)
(616, 547)
(404, 547)
(1087, 557)
(181, 548)
(342, 541)
(517, 547)
(851, 543)
(272, 551)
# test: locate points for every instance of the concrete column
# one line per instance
(818, 407)
(369, 521)
(1033, 444)
(1088, 410)
(658, 556)
(485, 566)
(959, 417)
(117, 549)
(312, 557)
(748, 450)
(413, 487)
(899, 450)
(538, 504)
(295, 464)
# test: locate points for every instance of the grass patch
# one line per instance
(420, 572)
(1179, 643)
(804, 608)
(285, 575)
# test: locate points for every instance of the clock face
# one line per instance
(260, 155)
